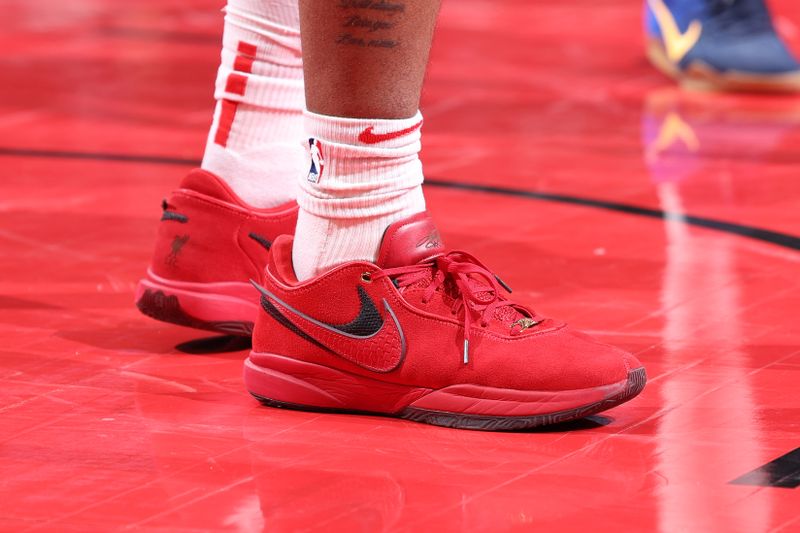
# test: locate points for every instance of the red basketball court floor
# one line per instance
(666, 222)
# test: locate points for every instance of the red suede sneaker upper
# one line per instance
(410, 241)
(440, 321)
(207, 234)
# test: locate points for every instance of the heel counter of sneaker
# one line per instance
(198, 241)
(269, 334)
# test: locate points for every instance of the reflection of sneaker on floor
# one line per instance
(716, 140)
(210, 244)
(719, 44)
(425, 335)
(294, 484)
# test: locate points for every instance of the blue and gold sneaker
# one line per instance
(726, 45)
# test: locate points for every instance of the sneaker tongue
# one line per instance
(409, 241)
(416, 239)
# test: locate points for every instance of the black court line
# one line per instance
(98, 156)
(784, 240)
(783, 472)
(773, 237)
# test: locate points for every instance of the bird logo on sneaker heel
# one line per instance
(178, 242)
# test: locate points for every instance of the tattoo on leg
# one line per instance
(367, 22)
(375, 5)
(370, 25)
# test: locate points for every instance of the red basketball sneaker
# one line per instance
(210, 244)
(425, 335)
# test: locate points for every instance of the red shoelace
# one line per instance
(478, 292)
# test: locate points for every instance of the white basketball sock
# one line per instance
(254, 140)
(365, 174)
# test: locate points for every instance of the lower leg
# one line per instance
(364, 63)
(253, 143)
(366, 59)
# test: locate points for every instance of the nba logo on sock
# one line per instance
(317, 161)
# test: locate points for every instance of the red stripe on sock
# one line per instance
(243, 64)
(245, 55)
(246, 49)
(236, 84)
(226, 117)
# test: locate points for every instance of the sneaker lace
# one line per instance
(476, 292)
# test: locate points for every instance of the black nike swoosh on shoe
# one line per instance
(367, 327)
(366, 324)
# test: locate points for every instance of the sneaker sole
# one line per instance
(225, 307)
(293, 384)
(702, 77)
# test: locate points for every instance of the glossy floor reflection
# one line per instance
(666, 222)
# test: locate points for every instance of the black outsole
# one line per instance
(167, 308)
(636, 382)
